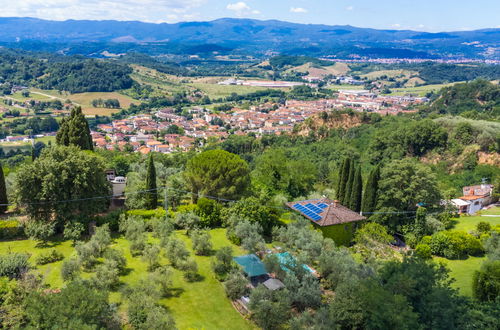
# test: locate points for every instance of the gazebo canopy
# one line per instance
(252, 266)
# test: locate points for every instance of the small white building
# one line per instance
(119, 184)
(474, 198)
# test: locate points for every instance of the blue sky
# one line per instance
(424, 15)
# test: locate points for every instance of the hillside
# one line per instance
(477, 98)
(241, 36)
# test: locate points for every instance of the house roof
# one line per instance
(460, 202)
(273, 284)
(325, 212)
(472, 198)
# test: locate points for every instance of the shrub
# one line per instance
(151, 256)
(236, 286)
(112, 219)
(162, 277)
(38, 230)
(188, 221)
(223, 262)
(176, 251)
(148, 214)
(73, 231)
(190, 269)
(423, 251)
(106, 275)
(49, 257)
(101, 238)
(11, 228)
(454, 244)
(86, 254)
(70, 269)
(117, 257)
(209, 212)
(163, 229)
(483, 227)
(202, 245)
(486, 281)
(13, 265)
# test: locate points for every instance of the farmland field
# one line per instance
(419, 90)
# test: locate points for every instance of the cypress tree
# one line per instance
(151, 194)
(350, 181)
(371, 191)
(3, 192)
(357, 191)
(75, 131)
(343, 178)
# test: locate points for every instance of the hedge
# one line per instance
(10, 229)
(454, 244)
(148, 214)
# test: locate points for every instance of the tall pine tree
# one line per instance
(371, 191)
(350, 181)
(357, 191)
(151, 194)
(75, 131)
(3, 192)
(343, 178)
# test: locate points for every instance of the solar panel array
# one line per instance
(310, 210)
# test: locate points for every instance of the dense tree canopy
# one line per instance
(403, 185)
(217, 173)
(61, 183)
(75, 131)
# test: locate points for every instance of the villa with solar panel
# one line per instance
(334, 220)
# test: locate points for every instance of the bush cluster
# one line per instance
(13, 265)
(10, 229)
(453, 244)
(49, 257)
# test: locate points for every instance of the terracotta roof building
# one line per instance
(335, 221)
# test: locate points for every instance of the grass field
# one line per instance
(462, 270)
(215, 91)
(468, 223)
(420, 90)
(197, 305)
(84, 100)
(33, 96)
(25, 145)
(389, 73)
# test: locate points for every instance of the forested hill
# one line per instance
(73, 74)
(477, 99)
(244, 36)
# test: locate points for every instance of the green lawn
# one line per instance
(468, 223)
(462, 271)
(198, 305)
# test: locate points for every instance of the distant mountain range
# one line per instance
(243, 36)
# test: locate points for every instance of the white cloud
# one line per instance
(298, 10)
(144, 10)
(396, 26)
(349, 8)
(242, 9)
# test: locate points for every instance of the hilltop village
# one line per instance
(145, 133)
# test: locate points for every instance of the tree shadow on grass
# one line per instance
(174, 292)
(194, 278)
